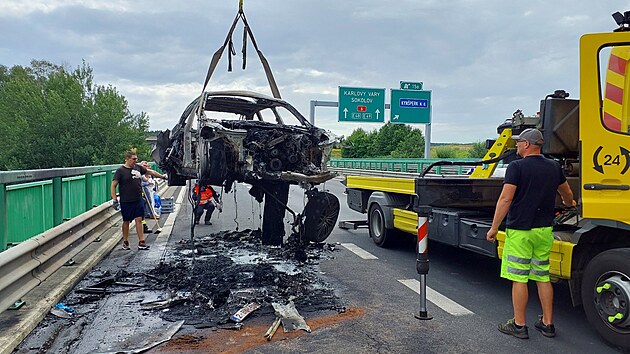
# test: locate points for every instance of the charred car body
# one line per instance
(243, 136)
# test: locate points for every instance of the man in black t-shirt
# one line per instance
(528, 199)
(128, 178)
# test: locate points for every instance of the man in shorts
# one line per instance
(128, 178)
(528, 199)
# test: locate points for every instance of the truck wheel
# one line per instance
(376, 224)
(606, 295)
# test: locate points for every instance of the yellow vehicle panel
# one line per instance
(604, 138)
(383, 184)
(406, 221)
(559, 260)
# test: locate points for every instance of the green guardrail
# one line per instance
(33, 201)
(394, 165)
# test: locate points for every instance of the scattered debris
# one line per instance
(62, 306)
(272, 330)
(60, 313)
(104, 285)
(291, 319)
(233, 274)
(240, 315)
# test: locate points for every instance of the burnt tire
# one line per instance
(174, 179)
(321, 211)
(380, 234)
(606, 295)
(273, 214)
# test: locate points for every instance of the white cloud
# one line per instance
(483, 59)
(23, 8)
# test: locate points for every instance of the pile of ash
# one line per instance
(225, 271)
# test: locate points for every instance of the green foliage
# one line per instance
(478, 150)
(53, 117)
(392, 140)
(446, 152)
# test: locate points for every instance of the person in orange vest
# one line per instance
(209, 200)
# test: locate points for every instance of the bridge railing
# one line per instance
(401, 165)
(33, 201)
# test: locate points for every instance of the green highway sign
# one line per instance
(410, 106)
(404, 85)
(361, 104)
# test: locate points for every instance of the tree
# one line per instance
(478, 150)
(53, 117)
(358, 144)
(392, 140)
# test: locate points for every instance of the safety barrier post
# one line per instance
(422, 266)
(4, 227)
(57, 202)
(89, 191)
(109, 175)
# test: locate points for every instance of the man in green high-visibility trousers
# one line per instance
(528, 199)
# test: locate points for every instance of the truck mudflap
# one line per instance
(559, 260)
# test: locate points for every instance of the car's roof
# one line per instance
(242, 93)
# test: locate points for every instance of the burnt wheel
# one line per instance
(321, 211)
(606, 295)
(174, 179)
(376, 224)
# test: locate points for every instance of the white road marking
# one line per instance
(438, 299)
(359, 251)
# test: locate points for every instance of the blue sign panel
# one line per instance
(413, 103)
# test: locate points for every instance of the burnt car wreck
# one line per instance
(242, 136)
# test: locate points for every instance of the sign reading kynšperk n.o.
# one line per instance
(410, 106)
(361, 104)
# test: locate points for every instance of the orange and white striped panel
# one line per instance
(616, 111)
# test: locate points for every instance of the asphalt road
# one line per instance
(468, 300)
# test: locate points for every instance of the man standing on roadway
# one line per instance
(128, 178)
(528, 199)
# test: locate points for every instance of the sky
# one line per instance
(481, 59)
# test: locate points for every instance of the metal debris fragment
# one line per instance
(240, 315)
(291, 319)
(272, 330)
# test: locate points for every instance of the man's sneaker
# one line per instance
(143, 246)
(126, 245)
(546, 330)
(207, 222)
(509, 327)
(147, 230)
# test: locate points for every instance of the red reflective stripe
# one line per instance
(611, 122)
(617, 65)
(422, 231)
(614, 93)
(422, 237)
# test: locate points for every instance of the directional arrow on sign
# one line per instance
(345, 113)
(378, 111)
(396, 117)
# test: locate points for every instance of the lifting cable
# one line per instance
(247, 32)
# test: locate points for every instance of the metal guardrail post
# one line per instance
(4, 226)
(57, 202)
(89, 191)
(109, 175)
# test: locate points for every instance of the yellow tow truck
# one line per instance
(590, 137)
